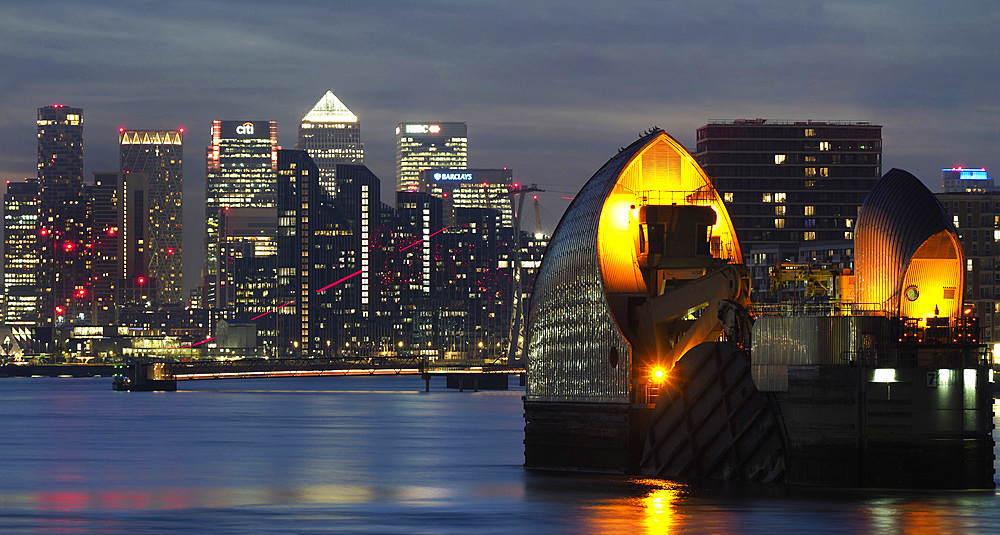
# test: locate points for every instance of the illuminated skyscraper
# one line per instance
(331, 134)
(160, 154)
(22, 288)
(791, 182)
(471, 188)
(240, 173)
(422, 146)
(63, 226)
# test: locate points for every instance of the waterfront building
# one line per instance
(417, 261)
(478, 284)
(241, 161)
(122, 288)
(791, 182)
(966, 180)
(327, 248)
(63, 226)
(331, 134)
(248, 267)
(471, 188)
(160, 155)
(422, 146)
(976, 217)
(22, 287)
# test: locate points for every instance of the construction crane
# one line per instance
(515, 344)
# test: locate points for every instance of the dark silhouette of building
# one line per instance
(327, 258)
(123, 291)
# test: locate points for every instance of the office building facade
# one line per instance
(160, 155)
(22, 262)
(422, 146)
(240, 173)
(471, 188)
(417, 261)
(248, 268)
(966, 180)
(791, 182)
(64, 230)
(976, 217)
(326, 254)
(121, 285)
(331, 134)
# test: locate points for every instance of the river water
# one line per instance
(369, 455)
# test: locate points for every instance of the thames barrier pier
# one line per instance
(646, 356)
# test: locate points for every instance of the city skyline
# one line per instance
(544, 91)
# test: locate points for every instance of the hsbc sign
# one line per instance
(423, 129)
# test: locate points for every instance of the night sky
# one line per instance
(549, 89)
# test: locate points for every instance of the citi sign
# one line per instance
(422, 128)
(245, 128)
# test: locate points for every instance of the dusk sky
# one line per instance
(548, 89)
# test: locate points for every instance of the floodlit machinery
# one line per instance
(688, 289)
(642, 357)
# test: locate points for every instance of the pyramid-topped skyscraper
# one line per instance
(331, 134)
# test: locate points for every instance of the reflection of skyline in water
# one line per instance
(370, 455)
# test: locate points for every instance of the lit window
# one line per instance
(779, 159)
(824, 145)
(968, 264)
(954, 219)
(996, 235)
(779, 223)
(810, 159)
(810, 235)
(849, 223)
(727, 197)
(808, 210)
(766, 197)
(848, 235)
(779, 197)
(810, 183)
(810, 171)
(824, 171)
(810, 132)
(779, 210)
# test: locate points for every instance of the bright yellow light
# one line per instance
(659, 374)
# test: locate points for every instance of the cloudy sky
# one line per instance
(549, 89)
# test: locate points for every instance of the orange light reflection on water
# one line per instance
(654, 512)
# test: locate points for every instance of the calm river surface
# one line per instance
(368, 455)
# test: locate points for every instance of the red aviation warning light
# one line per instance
(112, 231)
(141, 280)
(43, 232)
(170, 250)
(68, 246)
(60, 310)
(81, 293)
